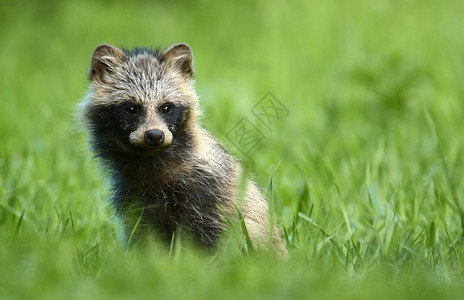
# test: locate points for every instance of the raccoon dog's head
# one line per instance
(142, 101)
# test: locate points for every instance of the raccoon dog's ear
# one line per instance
(180, 57)
(105, 58)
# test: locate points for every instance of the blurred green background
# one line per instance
(366, 169)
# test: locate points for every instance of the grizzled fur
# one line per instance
(167, 171)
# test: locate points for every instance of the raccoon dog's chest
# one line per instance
(192, 203)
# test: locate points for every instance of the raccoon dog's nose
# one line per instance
(154, 137)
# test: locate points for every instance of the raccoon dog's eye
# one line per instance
(131, 109)
(167, 108)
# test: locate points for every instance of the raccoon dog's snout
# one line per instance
(154, 137)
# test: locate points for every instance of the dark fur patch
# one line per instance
(156, 52)
(110, 129)
(190, 203)
(176, 117)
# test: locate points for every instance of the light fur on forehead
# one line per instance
(142, 75)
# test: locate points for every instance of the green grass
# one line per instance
(366, 170)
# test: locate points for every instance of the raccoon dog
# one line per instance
(167, 172)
